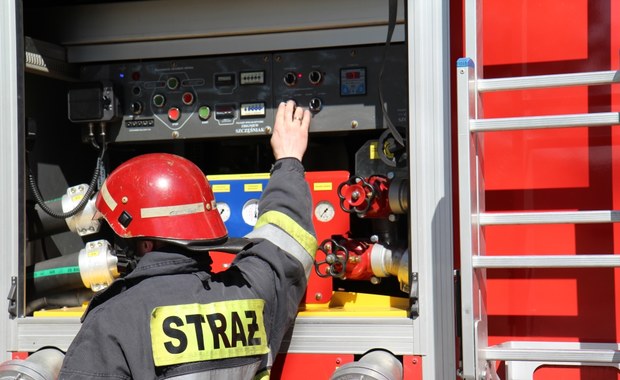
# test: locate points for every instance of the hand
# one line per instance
(290, 131)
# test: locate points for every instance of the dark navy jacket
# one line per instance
(202, 325)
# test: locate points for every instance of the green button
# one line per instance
(159, 100)
(172, 83)
(204, 112)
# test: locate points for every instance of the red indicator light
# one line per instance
(135, 75)
(174, 114)
(299, 75)
(188, 98)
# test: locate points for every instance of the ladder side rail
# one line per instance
(473, 319)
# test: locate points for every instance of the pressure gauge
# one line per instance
(324, 211)
(224, 209)
(250, 212)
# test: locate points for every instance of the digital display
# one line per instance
(353, 81)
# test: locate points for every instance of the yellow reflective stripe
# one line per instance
(196, 332)
(285, 222)
(264, 375)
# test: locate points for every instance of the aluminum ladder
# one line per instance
(521, 358)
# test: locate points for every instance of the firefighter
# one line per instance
(172, 318)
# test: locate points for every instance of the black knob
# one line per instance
(315, 77)
(136, 108)
(290, 79)
(315, 105)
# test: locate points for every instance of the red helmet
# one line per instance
(161, 196)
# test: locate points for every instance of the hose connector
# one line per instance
(98, 265)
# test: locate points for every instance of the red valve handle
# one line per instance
(336, 258)
(356, 195)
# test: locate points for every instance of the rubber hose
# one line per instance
(55, 275)
(44, 224)
(54, 301)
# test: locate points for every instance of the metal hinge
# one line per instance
(414, 295)
(12, 297)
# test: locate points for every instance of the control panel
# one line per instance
(237, 198)
(236, 95)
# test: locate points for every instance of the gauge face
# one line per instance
(250, 212)
(324, 211)
(224, 209)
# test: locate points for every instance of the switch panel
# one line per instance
(237, 95)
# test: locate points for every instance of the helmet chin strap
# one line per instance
(131, 251)
(230, 245)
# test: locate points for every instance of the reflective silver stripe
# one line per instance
(154, 212)
(286, 242)
(288, 224)
(270, 359)
(243, 372)
(107, 197)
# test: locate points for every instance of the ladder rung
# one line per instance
(554, 352)
(547, 261)
(553, 217)
(540, 122)
(546, 81)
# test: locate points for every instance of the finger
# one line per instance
(280, 113)
(289, 110)
(305, 121)
(298, 114)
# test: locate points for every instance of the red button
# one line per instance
(188, 98)
(174, 114)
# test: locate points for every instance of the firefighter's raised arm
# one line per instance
(285, 207)
(279, 264)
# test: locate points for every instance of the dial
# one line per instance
(250, 212)
(224, 209)
(324, 211)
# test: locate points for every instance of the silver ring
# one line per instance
(297, 118)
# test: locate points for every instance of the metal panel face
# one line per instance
(97, 31)
(344, 84)
(106, 22)
(190, 98)
(234, 96)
